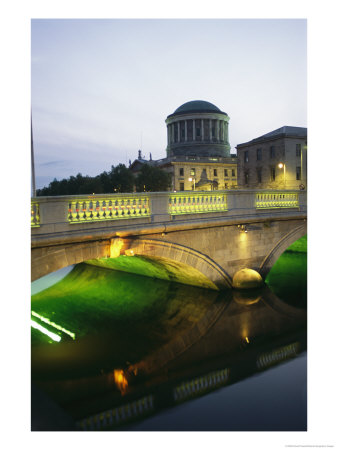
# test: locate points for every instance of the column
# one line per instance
(202, 129)
(186, 130)
(210, 130)
(178, 132)
(226, 138)
(168, 134)
(217, 131)
(193, 130)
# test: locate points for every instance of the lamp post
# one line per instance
(192, 179)
(32, 161)
(282, 166)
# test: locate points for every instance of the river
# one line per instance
(117, 351)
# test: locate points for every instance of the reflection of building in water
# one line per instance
(198, 149)
(172, 392)
(117, 416)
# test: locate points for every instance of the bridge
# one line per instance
(199, 238)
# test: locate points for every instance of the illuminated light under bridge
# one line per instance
(54, 325)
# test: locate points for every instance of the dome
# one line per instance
(196, 106)
(198, 128)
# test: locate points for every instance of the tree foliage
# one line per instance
(152, 179)
(119, 179)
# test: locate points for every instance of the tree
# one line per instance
(122, 180)
(152, 179)
(119, 179)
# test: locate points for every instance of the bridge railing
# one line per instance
(271, 200)
(35, 214)
(196, 203)
(108, 208)
(68, 213)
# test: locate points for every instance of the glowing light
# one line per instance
(54, 325)
(247, 340)
(44, 330)
(281, 165)
(120, 380)
(115, 248)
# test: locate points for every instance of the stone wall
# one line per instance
(284, 152)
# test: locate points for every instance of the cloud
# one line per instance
(54, 163)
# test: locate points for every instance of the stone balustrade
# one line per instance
(196, 203)
(269, 200)
(108, 208)
(35, 214)
(86, 216)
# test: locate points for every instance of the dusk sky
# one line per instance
(102, 89)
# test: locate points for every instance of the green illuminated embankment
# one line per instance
(117, 318)
(288, 277)
(155, 267)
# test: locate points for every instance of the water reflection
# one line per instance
(140, 345)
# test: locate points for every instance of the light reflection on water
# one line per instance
(49, 280)
(158, 336)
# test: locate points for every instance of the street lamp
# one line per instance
(282, 166)
(192, 179)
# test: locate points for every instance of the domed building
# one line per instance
(198, 150)
(198, 128)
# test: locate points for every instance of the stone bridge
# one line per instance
(199, 238)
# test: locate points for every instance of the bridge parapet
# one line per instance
(144, 213)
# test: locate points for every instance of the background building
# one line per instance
(198, 149)
(276, 160)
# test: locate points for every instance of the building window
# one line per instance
(198, 132)
(181, 172)
(215, 172)
(233, 172)
(298, 173)
(246, 156)
(193, 172)
(226, 172)
(246, 177)
(259, 174)
(183, 133)
(225, 185)
(213, 132)
(181, 186)
(298, 150)
(272, 152)
(259, 154)
(273, 174)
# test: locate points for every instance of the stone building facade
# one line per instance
(198, 150)
(276, 160)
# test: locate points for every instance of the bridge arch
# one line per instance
(184, 256)
(280, 248)
(45, 261)
(165, 252)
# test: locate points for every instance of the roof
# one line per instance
(197, 106)
(282, 131)
(290, 131)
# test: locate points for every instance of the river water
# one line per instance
(117, 351)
